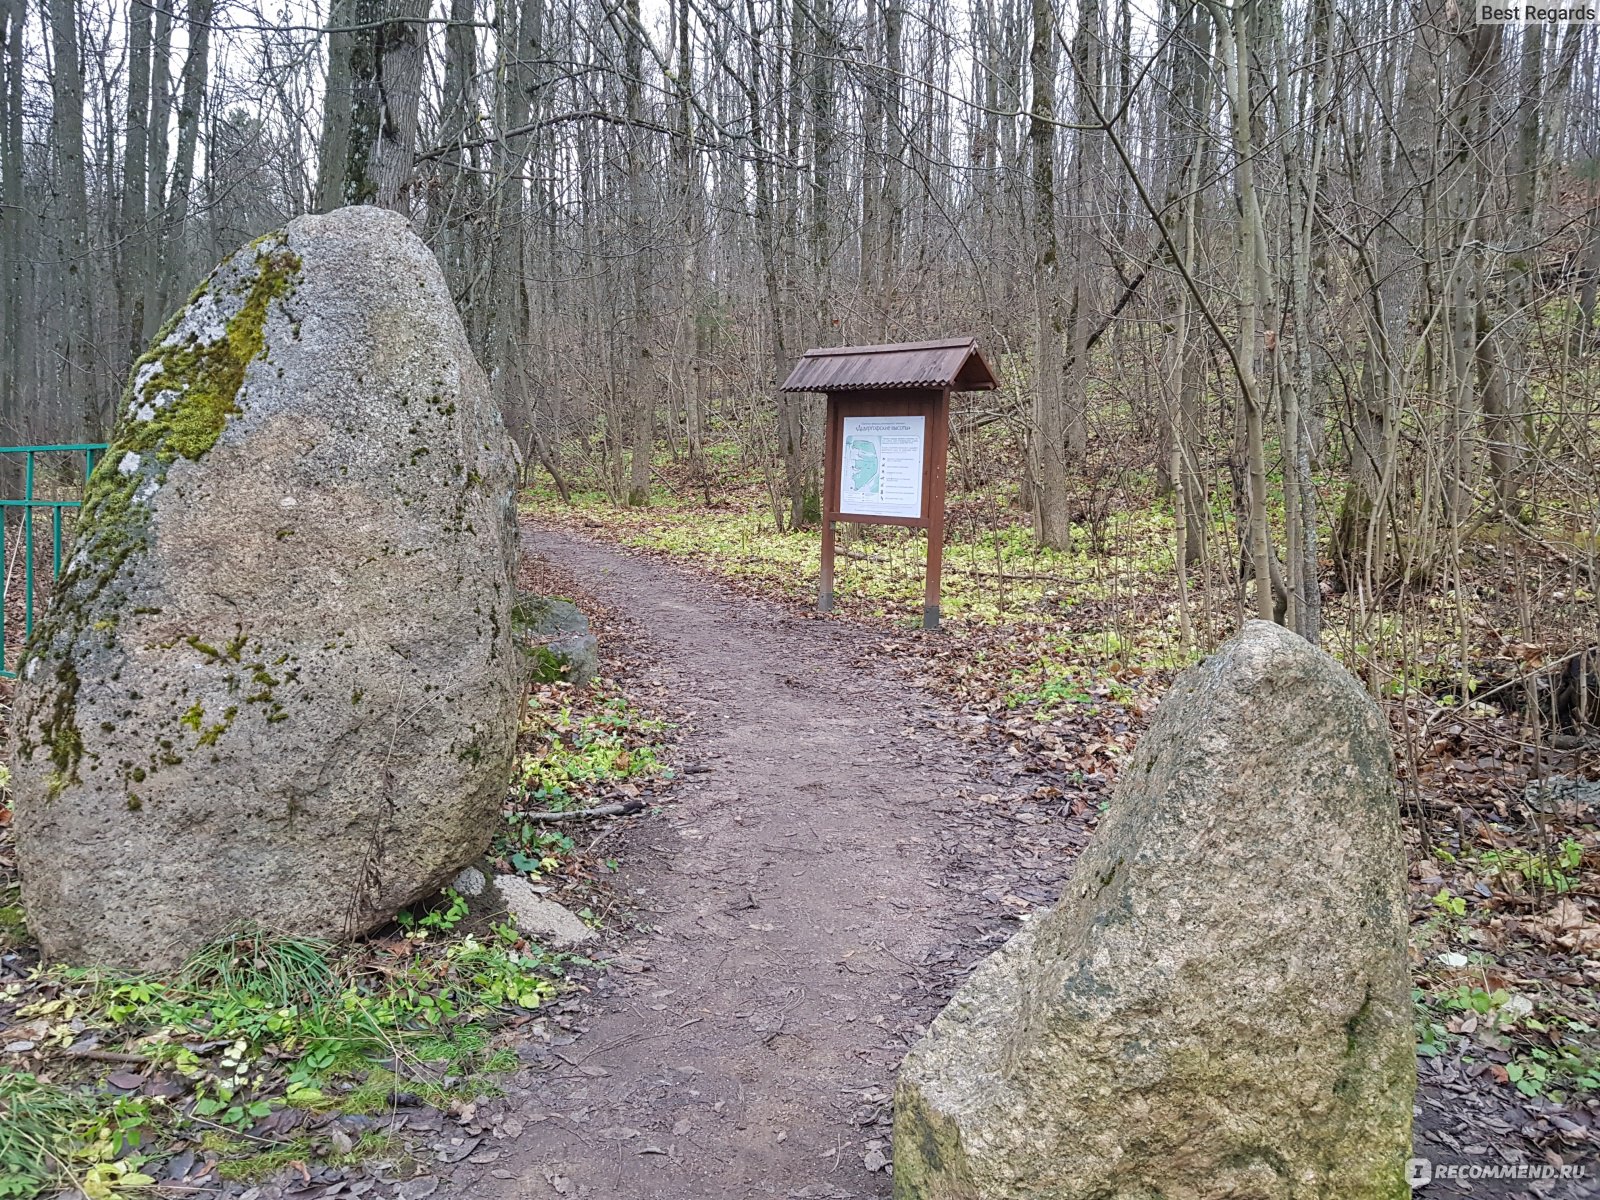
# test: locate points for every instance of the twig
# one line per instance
(109, 1056)
(620, 809)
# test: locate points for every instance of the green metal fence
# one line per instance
(28, 508)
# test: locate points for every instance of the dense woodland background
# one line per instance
(1279, 290)
(1323, 274)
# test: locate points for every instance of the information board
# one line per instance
(881, 466)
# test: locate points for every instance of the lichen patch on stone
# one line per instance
(183, 391)
(204, 322)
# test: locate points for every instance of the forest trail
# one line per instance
(793, 890)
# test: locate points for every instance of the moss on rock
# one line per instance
(13, 927)
(180, 395)
(554, 638)
(182, 391)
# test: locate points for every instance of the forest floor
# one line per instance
(981, 824)
(821, 879)
(842, 816)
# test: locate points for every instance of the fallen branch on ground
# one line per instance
(109, 1056)
(620, 809)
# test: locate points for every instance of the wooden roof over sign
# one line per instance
(954, 363)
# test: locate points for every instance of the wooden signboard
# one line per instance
(884, 464)
(888, 437)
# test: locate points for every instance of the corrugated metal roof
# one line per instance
(954, 363)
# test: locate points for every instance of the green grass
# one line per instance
(277, 970)
(377, 1092)
(994, 573)
(579, 747)
(1108, 602)
(250, 1024)
(39, 1125)
(240, 1162)
(54, 1137)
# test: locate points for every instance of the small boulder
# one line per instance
(1219, 1005)
(471, 883)
(277, 683)
(1566, 795)
(555, 641)
(474, 883)
(543, 920)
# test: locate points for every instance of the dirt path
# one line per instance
(804, 904)
(795, 894)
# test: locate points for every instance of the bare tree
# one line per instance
(74, 348)
(1298, 263)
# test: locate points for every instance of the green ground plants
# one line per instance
(46, 1131)
(1484, 991)
(1532, 1045)
(240, 1162)
(993, 571)
(1518, 867)
(251, 1024)
(1068, 649)
(257, 1022)
(578, 751)
(580, 746)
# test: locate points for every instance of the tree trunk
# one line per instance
(870, 239)
(75, 350)
(1088, 55)
(521, 39)
(790, 426)
(386, 54)
(157, 148)
(16, 325)
(1589, 291)
(400, 78)
(191, 105)
(132, 252)
(1052, 522)
(1236, 60)
(333, 149)
(892, 205)
(1365, 536)
(692, 218)
(641, 380)
(1303, 164)
(1466, 266)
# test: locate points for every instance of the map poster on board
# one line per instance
(881, 469)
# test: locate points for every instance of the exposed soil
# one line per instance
(843, 848)
(797, 914)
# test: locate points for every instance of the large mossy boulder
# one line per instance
(1219, 1004)
(277, 683)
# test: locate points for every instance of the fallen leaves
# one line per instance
(1568, 926)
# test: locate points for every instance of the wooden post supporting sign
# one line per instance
(888, 439)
